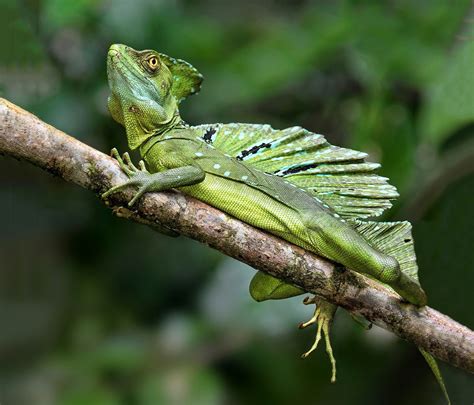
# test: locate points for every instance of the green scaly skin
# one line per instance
(146, 89)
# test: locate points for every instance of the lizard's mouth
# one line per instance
(116, 62)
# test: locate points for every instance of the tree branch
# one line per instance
(25, 137)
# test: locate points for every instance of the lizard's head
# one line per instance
(146, 88)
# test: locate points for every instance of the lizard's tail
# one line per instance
(395, 239)
(436, 371)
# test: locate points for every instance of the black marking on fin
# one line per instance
(252, 150)
(297, 169)
(208, 135)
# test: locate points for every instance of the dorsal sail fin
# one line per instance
(340, 177)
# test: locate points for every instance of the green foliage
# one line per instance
(450, 103)
(57, 14)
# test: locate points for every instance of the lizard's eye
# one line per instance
(153, 62)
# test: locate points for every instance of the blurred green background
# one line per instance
(97, 310)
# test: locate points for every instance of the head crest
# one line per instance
(186, 78)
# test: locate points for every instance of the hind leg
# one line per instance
(341, 243)
(387, 270)
(265, 287)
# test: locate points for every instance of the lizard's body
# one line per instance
(291, 183)
(276, 205)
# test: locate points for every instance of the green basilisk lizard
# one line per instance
(291, 183)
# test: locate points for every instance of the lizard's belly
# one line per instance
(250, 205)
(308, 227)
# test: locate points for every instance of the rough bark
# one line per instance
(25, 137)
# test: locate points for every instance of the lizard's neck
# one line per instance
(161, 132)
(158, 131)
(176, 122)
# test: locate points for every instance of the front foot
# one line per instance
(138, 176)
(323, 316)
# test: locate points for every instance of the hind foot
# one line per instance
(323, 316)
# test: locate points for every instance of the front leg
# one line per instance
(147, 182)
